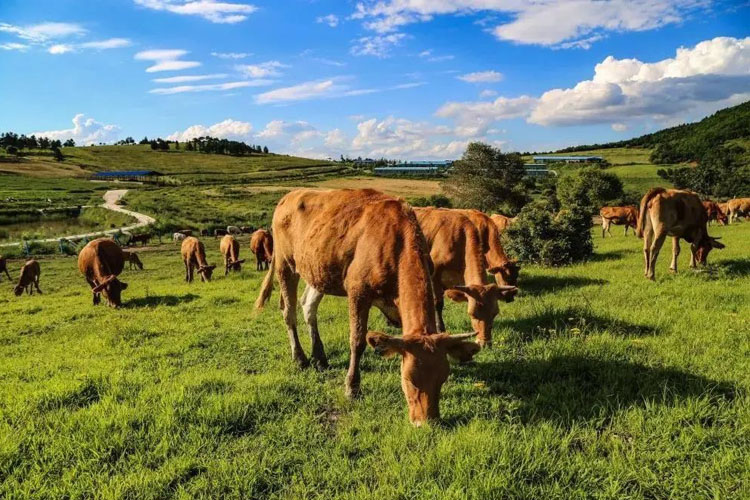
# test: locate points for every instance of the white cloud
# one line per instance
(427, 54)
(111, 43)
(190, 78)
(474, 118)
(378, 45)
(165, 60)
(401, 138)
(172, 66)
(262, 70)
(481, 77)
(487, 93)
(13, 46)
(335, 138)
(43, 32)
(85, 131)
(331, 20)
(231, 55)
(619, 127)
(228, 129)
(60, 49)
(301, 92)
(210, 87)
(211, 10)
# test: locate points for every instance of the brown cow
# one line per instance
(502, 222)
(497, 261)
(714, 212)
(4, 267)
(230, 249)
(680, 214)
(132, 259)
(261, 244)
(29, 278)
(194, 256)
(101, 261)
(738, 207)
(459, 269)
(620, 216)
(366, 246)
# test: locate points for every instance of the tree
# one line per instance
(144, 141)
(487, 179)
(589, 188)
(57, 154)
(265, 150)
(70, 143)
(722, 172)
(11, 150)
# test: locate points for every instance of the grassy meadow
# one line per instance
(600, 385)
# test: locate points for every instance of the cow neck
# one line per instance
(201, 258)
(415, 295)
(474, 269)
(496, 255)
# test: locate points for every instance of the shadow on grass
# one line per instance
(607, 256)
(567, 389)
(734, 267)
(550, 322)
(540, 284)
(161, 300)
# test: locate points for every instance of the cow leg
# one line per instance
(359, 310)
(626, 229)
(659, 236)
(604, 227)
(288, 281)
(693, 252)
(36, 284)
(310, 301)
(648, 237)
(187, 273)
(675, 253)
(92, 284)
(257, 263)
(7, 273)
(439, 305)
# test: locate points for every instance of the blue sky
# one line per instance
(404, 79)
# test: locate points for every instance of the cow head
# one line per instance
(236, 265)
(112, 289)
(706, 244)
(206, 272)
(721, 217)
(18, 290)
(482, 306)
(506, 274)
(424, 367)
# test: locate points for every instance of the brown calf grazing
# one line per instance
(738, 207)
(143, 239)
(230, 249)
(620, 216)
(680, 214)
(4, 267)
(261, 244)
(132, 259)
(502, 222)
(194, 256)
(368, 247)
(714, 212)
(497, 261)
(459, 269)
(100, 262)
(29, 278)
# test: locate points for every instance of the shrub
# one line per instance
(590, 189)
(542, 236)
(435, 200)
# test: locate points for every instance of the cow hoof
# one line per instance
(673, 271)
(353, 392)
(320, 364)
(302, 362)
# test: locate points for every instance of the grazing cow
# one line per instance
(676, 213)
(220, 232)
(234, 230)
(29, 278)
(132, 259)
(100, 262)
(178, 237)
(205, 232)
(4, 267)
(738, 207)
(194, 256)
(714, 212)
(619, 216)
(142, 238)
(247, 229)
(368, 247)
(230, 249)
(261, 244)
(459, 269)
(502, 222)
(186, 232)
(497, 261)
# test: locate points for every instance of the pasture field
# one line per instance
(600, 385)
(91, 219)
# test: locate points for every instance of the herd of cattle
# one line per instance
(379, 251)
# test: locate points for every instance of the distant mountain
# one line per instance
(688, 142)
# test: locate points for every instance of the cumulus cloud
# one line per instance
(211, 10)
(60, 48)
(209, 87)
(619, 127)
(228, 129)
(378, 45)
(166, 60)
(474, 118)
(85, 131)
(481, 77)
(262, 70)
(400, 138)
(331, 20)
(294, 132)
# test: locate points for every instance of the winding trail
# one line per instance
(111, 199)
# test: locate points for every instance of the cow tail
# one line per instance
(267, 287)
(644, 208)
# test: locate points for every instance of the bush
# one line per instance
(590, 189)
(542, 236)
(436, 200)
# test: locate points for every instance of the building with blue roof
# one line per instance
(568, 159)
(121, 175)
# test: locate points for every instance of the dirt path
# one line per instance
(110, 203)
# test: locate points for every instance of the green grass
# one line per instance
(601, 384)
(91, 219)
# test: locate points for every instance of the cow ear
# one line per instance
(456, 295)
(503, 291)
(458, 348)
(123, 285)
(717, 244)
(211, 268)
(385, 345)
(240, 261)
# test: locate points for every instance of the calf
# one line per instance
(132, 259)
(497, 261)
(4, 267)
(261, 244)
(143, 239)
(366, 246)
(714, 213)
(234, 230)
(100, 262)
(620, 216)
(29, 278)
(502, 222)
(680, 214)
(230, 249)
(738, 207)
(194, 256)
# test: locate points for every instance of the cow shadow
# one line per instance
(537, 285)
(607, 256)
(734, 267)
(549, 322)
(160, 300)
(570, 389)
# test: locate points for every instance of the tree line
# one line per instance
(14, 143)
